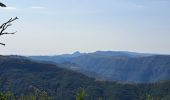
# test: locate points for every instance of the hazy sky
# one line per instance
(64, 26)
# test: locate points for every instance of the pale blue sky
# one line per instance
(49, 27)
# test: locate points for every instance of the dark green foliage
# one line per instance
(148, 97)
(81, 94)
(35, 95)
(28, 79)
(2, 97)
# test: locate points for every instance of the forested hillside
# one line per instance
(19, 75)
(116, 66)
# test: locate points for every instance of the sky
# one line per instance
(51, 27)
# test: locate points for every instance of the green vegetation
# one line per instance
(148, 97)
(2, 97)
(81, 94)
(42, 95)
(35, 95)
(28, 79)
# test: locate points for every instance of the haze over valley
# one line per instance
(84, 50)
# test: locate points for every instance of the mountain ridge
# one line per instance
(118, 66)
(18, 74)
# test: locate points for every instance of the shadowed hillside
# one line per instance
(116, 66)
(17, 74)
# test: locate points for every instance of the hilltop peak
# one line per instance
(77, 52)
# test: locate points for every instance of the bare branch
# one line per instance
(2, 5)
(5, 25)
(2, 44)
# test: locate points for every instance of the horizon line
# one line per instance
(56, 54)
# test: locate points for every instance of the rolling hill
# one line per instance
(19, 74)
(116, 66)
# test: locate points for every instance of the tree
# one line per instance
(5, 25)
(81, 94)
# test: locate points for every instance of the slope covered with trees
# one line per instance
(20, 75)
(116, 66)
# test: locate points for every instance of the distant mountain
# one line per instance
(120, 54)
(58, 58)
(142, 69)
(19, 75)
(118, 65)
(75, 54)
(66, 57)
